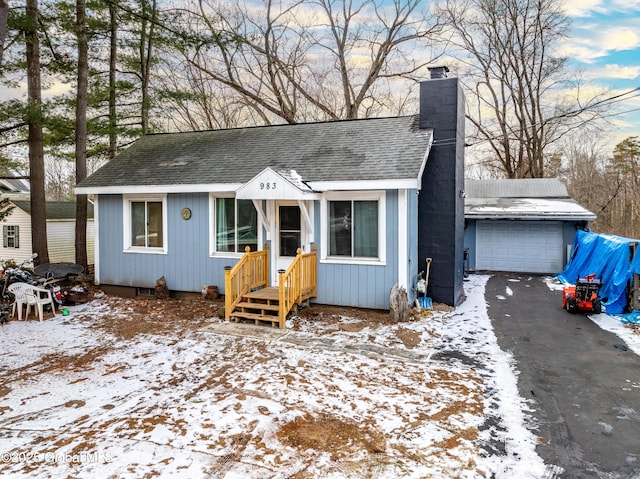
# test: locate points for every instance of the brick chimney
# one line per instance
(441, 200)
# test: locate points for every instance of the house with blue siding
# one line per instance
(365, 201)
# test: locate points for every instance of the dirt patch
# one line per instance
(327, 433)
(155, 316)
(634, 327)
(336, 314)
(409, 338)
(352, 327)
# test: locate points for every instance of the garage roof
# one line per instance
(522, 199)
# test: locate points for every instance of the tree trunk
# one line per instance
(398, 304)
(35, 141)
(113, 6)
(81, 131)
(147, 39)
(4, 16)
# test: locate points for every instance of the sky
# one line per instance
(604, 45)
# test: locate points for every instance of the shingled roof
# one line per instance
(530, 198)
(351, 150)
(56, 210)
(516, 188)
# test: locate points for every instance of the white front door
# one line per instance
(290, 233)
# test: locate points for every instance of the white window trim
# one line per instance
(213, 253)
(375, 195)
(14, 236)
(126, 207)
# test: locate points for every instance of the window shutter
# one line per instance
(5, 240)
(17, 238)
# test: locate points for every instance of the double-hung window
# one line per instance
(145, 224)
(10, 236)
(235, 225)
(355, 227)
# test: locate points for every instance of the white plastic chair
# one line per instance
(40, 298)
(21, 298)
(29, 295)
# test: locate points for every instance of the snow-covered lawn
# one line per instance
(345, 398)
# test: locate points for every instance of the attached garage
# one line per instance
(522, 226)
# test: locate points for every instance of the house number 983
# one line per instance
(268, 186)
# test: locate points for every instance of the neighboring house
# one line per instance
(374, 196)
(524, 225)
(16, 232)
(13, 188)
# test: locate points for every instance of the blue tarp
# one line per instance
(609, 258)
(635, 264)
(633, 317)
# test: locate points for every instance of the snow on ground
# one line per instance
(434, 397)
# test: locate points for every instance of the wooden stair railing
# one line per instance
(247, 292)
(251, 272)
(298, 283)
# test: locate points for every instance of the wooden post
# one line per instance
(228, 293)
(247, 269)
(266, 265)
(282, 310)
(298, 276)
(314, 269)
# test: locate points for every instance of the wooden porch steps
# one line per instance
(256, 318)
(261, 305)
(248, 296)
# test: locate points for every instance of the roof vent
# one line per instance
(438, 72)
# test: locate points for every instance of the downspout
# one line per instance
(96, 241)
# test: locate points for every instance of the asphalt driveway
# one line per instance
(583, 382)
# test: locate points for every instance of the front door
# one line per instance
(289, 234)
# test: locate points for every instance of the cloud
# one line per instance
(593, 41)
(589, 8)
(616, 72)
(583, 8)
(581, 51)
(620, 39)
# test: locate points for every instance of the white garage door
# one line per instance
(519, 246)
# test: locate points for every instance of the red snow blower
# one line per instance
(584, 296)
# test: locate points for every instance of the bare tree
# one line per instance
(513, 78)
(606, 184)
(36, 140)
(625, 167)
(302, 61)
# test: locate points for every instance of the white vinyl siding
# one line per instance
(22, 220)
(61, 241)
